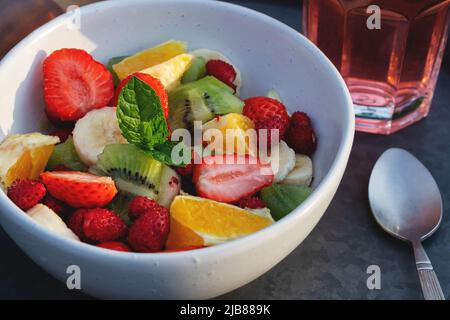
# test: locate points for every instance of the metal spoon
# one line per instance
(406, 202)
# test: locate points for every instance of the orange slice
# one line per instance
(237, 125)
(149, 57)
(24, 156)
(197, 221)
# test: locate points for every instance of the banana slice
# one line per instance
(208, 54)
(94, 131)
(48, 219)
(282, 163)
(302, 173)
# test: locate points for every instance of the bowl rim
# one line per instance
(80, 248)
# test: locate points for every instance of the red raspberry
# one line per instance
(139, 205)
(62, 133)
(114, 245)
(26, 193)
(57, 206)
(103, 225)
(300, 135)
(252, 203)
(150, 231)
(76, 221)
(223, 71)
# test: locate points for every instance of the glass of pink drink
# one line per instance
(388, 51)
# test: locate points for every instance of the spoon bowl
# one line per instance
(406, 202)
(404, 198)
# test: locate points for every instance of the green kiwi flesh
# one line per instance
(196, 71)
(134, 172)
(201, 100)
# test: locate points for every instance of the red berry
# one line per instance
(229, 179)
(74, 84)
(300, 119)
(150, 231)
(76, 221)
(153, 82)
(262, 109)
(103, 225)
(270, 124)
(57, 206)
(300, 135)
(139, 205)
(26, 193)
(114, 245)
(61, 133)
(223, 71)
(252, 203)
(80, 189)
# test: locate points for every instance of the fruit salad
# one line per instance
(157, 152)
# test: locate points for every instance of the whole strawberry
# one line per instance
(114, 245)
(139, 205)
(300, 135)
(223, 71)
(103, 225)
(252, 203)
(267, 113)
(150, 231)
(26, 193)
(59, 207)
(76, 221)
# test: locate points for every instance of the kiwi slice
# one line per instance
(281, 199)
(196, 71)
(65, 154)
(134, 172)
(187, 107)
(201, 100)
(170, 186)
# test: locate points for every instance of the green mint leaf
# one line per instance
(140, 115)
(163, 152)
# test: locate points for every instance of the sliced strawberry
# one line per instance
(229, 178)
(74, 84)
(152, 82)
(80, 189)
(223, 71)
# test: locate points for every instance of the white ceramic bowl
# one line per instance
(269, 54)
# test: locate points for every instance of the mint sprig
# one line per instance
(141, 120)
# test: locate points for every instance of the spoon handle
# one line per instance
(428, 280)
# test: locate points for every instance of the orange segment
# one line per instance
(24, 156)
(39, 159)
(182, 237)
(149, 57)
(199, 221)
(21, 169)
(237, 125)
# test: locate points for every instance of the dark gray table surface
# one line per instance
(332, 262)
